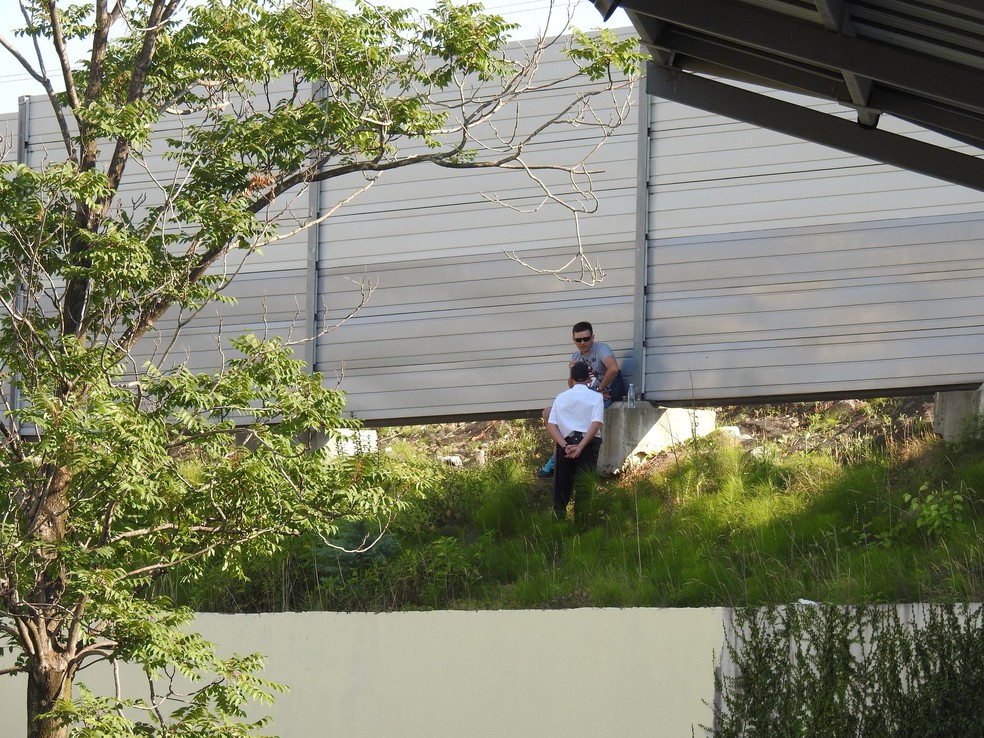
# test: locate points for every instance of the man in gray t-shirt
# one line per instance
(602, 364)
(605, 376)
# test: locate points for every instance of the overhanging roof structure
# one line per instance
(921, 61)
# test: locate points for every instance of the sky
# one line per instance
(531, 15)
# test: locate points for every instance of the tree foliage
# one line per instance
(186, 134)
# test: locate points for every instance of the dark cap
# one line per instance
(579, 371)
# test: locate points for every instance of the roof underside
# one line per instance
(921, 61)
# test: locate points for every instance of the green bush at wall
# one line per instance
(852, 672)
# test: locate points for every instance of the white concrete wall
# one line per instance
(595, 673)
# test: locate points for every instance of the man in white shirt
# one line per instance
(604, 377)
(574, 424)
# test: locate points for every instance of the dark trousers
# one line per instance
(568, 469)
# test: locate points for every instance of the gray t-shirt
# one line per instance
(595, 359)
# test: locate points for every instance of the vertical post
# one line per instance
(23, 141)
(641, 242)
(312, 307)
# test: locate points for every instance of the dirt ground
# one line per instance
(831, 419)
(796, 425)
(828, 424)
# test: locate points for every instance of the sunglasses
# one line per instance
(583, 340)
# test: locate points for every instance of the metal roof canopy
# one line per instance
(920, 61)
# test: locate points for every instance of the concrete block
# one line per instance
(953, 412)
(632, 434)
(349, 442)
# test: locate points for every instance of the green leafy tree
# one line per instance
(116, 469)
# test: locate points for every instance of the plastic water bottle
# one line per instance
(630, 396)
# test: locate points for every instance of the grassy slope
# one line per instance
(848, 502)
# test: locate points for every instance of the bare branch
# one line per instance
(585, 273)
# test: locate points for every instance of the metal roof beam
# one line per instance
(956, 124)
(971, 8)
(835, 18)
(735, 61)
(705, 57)
(778, 35)
(696, 53)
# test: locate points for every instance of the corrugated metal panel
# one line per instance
(471, 335)
(448, 212)
(8, 138)
(711, 175)
(144, 178)
(270, 287)
(860, 308)
(778, 267)
(455, 328)
(271, 304)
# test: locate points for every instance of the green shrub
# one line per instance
(430, 576)
(936, 513)
(852, 672)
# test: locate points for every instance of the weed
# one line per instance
(936, 513)
(844, 672)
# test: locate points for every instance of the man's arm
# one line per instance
(611, 371)
(592, 432)
(554, 432)
(572, 451)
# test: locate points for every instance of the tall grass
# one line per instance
(843, 519)
(852, 671)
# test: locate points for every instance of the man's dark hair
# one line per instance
(582, 326)
(580, 371)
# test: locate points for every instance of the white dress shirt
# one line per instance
(576, 409)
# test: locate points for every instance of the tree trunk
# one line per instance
(51, 669)
(48, 680)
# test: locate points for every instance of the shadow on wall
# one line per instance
(627, 365)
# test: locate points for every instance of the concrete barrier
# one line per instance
(632, 434)
(953, 412)
(580, 673)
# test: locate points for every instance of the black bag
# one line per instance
(574, 437)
